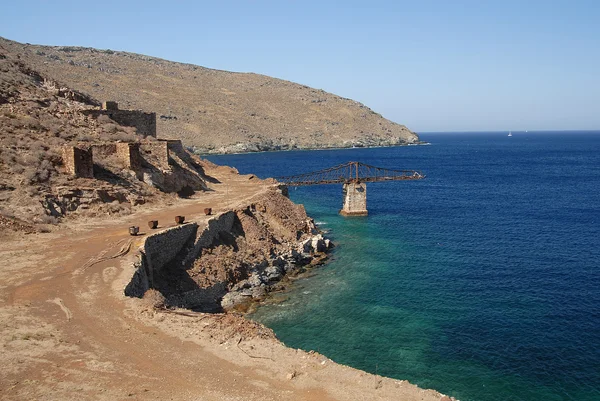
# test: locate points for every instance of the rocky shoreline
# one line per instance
(237, 259)
(271, 146)
(274, 275)
(262, 245)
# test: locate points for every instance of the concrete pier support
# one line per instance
(355, 199)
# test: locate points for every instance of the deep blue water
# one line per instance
(481, 281)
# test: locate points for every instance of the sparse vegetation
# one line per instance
(38, 117)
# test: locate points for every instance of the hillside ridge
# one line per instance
(216, 111)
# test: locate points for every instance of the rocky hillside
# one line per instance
(39, 117)
(212, 110)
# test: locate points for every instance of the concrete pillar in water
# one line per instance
(355, 199)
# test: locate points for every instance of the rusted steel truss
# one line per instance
(350, 172)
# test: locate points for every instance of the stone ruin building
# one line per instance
(79, 159)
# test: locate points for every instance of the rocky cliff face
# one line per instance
(236, 258)
(216, 111)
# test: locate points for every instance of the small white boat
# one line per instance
(510, 133)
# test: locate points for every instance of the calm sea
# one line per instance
(481, 281)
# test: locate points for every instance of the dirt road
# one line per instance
(67, 332)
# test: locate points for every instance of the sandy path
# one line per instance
(67, 332)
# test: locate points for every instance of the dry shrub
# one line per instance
(6, 212)
(45, 170)
(53, 108)
(30, 123)
(46, 219)
(121, 136)
(52, 126)
(38, 167)
(25, 159)
(7, 157)
(38, 149)
(110, 128)
(8, 114)
(31, 176)
(115, 208)
(83, 137)
(45, 229)
(154, 299)
(104, 119)
(132, 131)
(9, 141)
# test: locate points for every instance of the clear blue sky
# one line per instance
(431, 65)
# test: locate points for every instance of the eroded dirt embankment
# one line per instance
(236, 258)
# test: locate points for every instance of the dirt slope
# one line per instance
(213, 110)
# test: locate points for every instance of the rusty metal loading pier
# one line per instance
(353, 176)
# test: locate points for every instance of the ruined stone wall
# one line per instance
(220, 224)
(129, 154)
(102, 150)
(78, 161)
(66, 200)
(156, 154)
(145, 123)
(174, 145)
(161, 248)
(158, 250)
(109, 105)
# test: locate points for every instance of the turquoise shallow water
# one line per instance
(481, 281)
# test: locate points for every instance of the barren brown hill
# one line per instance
(42, 120)
(216, 111)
